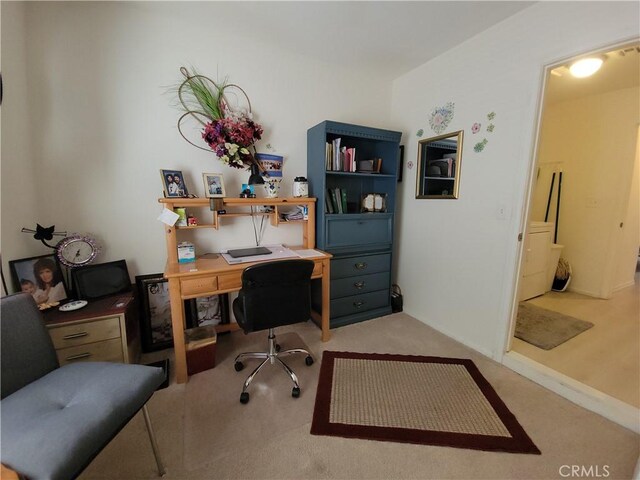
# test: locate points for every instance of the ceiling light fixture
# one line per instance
(585, 67)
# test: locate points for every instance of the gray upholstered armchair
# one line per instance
(55, 420)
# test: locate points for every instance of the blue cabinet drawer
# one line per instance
(359, 303)
(358, 230)
(358, 284)
(360, 265)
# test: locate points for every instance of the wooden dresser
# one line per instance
(106, 330)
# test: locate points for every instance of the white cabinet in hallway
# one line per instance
(537, 253)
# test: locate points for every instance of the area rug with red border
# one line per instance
(414, 399)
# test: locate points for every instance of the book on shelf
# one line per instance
(343, 198)
(338, 199)
(333, 204)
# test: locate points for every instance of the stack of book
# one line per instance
(339, 158)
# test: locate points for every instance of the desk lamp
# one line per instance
(255, 178)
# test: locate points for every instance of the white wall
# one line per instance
(104, 124)
(594, 139)
(19, 197)
(457, 259)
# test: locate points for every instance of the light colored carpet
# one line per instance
(545, 328)
(564, 432)
(423, 396)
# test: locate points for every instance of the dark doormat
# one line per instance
(545, 328)
(414, 399)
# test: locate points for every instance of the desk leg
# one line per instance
(177, 325)
(326, 283)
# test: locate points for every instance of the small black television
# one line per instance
(101, 280)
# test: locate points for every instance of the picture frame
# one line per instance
(373, 202)
(203, 311)
(213, 185)
(30, 275)
(173, 184)
(156, 331)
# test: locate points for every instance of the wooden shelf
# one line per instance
(308, 226)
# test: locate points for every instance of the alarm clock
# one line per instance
(77, 250)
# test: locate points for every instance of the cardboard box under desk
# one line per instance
(200, 343)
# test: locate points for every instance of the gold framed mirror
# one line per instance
(439, 165)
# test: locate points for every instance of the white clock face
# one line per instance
(76, 251)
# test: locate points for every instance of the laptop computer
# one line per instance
(248, 252)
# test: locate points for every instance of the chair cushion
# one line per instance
(55, 426)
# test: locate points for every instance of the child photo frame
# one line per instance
(40, 276)
(213, 185)
(173, 183)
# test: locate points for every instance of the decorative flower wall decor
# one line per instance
(440, 117)
(229, 132)
(419, 133)
(478, 147)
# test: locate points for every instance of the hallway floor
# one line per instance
(605, 357)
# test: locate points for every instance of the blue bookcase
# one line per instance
(361, 240)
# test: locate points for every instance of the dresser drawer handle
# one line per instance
(78, 356)
(359, 285)
(75, 335)
(360, 265)
(358, 304)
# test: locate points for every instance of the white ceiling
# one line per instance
(392, 36)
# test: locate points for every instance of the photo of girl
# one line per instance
(41, 277)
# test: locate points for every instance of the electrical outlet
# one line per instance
(502, 213)
(592, 202)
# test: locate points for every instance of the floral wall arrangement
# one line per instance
(229, 132)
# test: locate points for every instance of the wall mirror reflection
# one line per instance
(439, 162)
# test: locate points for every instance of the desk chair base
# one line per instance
(272, 356)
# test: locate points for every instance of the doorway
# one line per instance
(588, 150)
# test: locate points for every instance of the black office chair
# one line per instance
(273, 294)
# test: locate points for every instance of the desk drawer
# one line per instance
(359, 303)
(361, 265)
(86, 332)
(199, 286)
(230, 281)
(343, 287)
(105, 351)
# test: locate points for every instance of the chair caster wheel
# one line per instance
(278, 347)
(308, 360)
(295, 392)
(244, 397)
(239, 366)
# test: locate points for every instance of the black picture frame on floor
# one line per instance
(155, 312)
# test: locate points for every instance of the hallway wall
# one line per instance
(593, 141)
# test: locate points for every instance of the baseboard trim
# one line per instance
(630, 283)
(583, 395)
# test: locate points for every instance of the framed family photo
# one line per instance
(40, 276)
(173, 183)
(213, 185)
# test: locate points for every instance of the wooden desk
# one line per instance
(212, 275)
